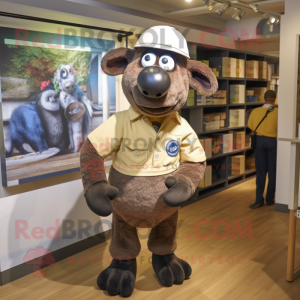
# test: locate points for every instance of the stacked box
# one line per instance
(216, 63)
(252, 69)
(209, 100)
(248, 141)
(228, 67)
(249, 93)
(250, 162)
(251, 99)
(220, 97)
(236, 117)
(223, 143)
(207, 146)
(263, 70)
(238, 164)
(201, 100)
(237, 93)
(259, 92)
(213, 125)
(207, 179)
(191, 98)
(240, 140)
(206, 62)
(240, 68)
(216, 72)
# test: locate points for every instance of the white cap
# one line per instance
(164, 37)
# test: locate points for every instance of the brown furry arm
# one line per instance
(183, 183)
(91, 166)
(193, 172)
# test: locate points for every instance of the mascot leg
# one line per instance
(119, 277)
(168, 268)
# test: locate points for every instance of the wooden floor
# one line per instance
(223, 268)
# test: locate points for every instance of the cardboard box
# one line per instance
(240, 140)
(263, 70)
(238, 164)
(220, 94)
(223, 143)
(209, 100)
(249, 93)
(219, 101)
(222, 123)
(201, 100)
(190, 102)
(237, 93)
(191, 94)
(236, 117)
(207, 146)
(259, 92)
(229, 67)
(207, 180)
(252, 69)
(240, 68)
(212, 125)
(250, 162)
(251, 99)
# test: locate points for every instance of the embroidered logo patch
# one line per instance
(172, 148)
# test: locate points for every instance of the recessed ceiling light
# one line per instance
(188, 0)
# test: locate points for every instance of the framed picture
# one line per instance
(53, 94)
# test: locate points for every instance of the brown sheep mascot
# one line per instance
(158, 160)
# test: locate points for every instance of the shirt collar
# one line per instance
(134, 115)
(267, 105)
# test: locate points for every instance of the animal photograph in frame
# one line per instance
(53, 94)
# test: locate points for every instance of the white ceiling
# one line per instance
(202, 17)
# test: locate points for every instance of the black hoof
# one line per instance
(170, 269)
(118, 278)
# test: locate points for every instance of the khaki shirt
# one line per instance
(138, 150)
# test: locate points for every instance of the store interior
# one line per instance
(235, 252)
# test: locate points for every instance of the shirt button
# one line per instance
(136, 152)
(156, 156)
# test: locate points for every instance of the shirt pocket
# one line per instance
(136, 157)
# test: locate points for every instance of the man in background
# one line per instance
(266, 148)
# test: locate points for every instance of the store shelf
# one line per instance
(194, 115)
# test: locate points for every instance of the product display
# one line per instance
(207, 146)
(207, 180)
(146, 184)
(252, 69)
(214, 121)
(236, 117)
(238, 164)
(237, 93)
(229, 67)
(223, 143)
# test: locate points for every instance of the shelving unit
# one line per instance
(194, 115)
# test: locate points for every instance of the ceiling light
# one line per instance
(188, 0)
(210, 6)
(224, 8)
(238, 16)
(272, 20)
(254, 7)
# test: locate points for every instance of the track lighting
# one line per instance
(210, 6)
(224, 8)
(238, 16)
(254, 7)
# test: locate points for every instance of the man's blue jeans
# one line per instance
(265, 162)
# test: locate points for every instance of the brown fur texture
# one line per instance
(181, 76)
(91, 166)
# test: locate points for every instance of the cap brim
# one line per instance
(164, 47)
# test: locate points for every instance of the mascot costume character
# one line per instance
(158, 160)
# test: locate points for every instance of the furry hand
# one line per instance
(179, 191)
(98, 198)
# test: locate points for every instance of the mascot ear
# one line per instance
(202, 78)
(115, 61)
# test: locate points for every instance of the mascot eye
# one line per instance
(63, 73)
(148, 59)
(167, 62)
